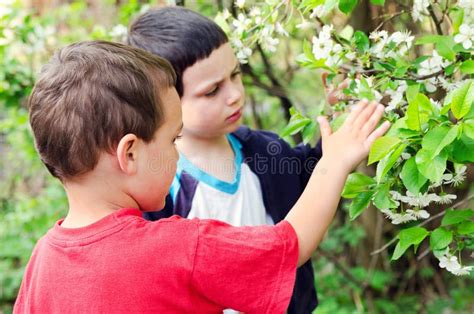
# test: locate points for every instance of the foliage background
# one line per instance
(349, 278)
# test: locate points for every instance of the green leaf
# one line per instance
(221, 21)
(388, 161)
(440, 238)
(411, 236)
(296, 124)
(457, 16)
(359, 204)
(455, 216)
(445, 51)
(337, 123)
(381, 148)
(417, 113)
(438, 138)
(346, 6)
(356, 183)
(308, 50)
(467, 67)
(308, 132)
(431, 167)
(462, 100)
(463, 150)
(429, 39)
(466, 227)
(411, 177)
(362, 41)
(383, 199)
(468, 128)
(378, 2)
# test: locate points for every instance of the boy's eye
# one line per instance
(236, 73)
(212, 92)
(177, 138)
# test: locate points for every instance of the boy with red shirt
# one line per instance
(105, 117)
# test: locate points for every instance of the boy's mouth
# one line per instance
(235, 116)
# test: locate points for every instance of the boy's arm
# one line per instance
(343, 150)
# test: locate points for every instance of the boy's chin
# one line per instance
(234, 127)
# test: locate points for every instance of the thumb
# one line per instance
(324, 76)
(324, 127)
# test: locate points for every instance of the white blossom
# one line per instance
(241, 24)
(380, 40)
(405, 156)
(446, 199)
(403, 40)
(240, 3)
(318, 11)
(119, 31)
(5, 10)
(324, 47)
(459, 177)
(377, 96)
(281, 30)
(420, 7)
(255, 11)
(398, 218)
(465, 36)
(396, 96)
(305, 25)
(226, 14)
(451, 263)
(432, 65)
(243, 53)
(419, 201)
(468, 7)
(419, 214)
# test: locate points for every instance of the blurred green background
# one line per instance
(348, 278)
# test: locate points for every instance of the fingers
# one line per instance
(364, 116)
(355, 112)
(381, 130)
(324, 127)
(374, 119)
(324, 76)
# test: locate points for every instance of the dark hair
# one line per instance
(177, 34)
(89, 96)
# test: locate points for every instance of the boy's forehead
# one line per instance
(171, 106)
(215, 67)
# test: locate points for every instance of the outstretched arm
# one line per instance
(343, 151)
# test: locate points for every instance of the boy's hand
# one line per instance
(351, 143)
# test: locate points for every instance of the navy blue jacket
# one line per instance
(283, 173)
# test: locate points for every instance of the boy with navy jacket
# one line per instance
(226, 171)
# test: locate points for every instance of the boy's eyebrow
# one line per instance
(203, 88)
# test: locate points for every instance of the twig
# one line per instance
(435, 20)
(438, 215)
(391, 17)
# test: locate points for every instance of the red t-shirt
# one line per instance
(124, 263)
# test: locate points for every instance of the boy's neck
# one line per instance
(93, 200)
(214, 156)
(191, 146)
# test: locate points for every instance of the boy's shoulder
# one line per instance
(246, 134)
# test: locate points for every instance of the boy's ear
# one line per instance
(127, 153)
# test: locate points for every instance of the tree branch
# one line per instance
(438, 215)
(437, 23)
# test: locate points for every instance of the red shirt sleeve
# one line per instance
(249, 269)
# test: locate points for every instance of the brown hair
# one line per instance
(89, 96)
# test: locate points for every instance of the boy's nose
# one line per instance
(234, 95)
